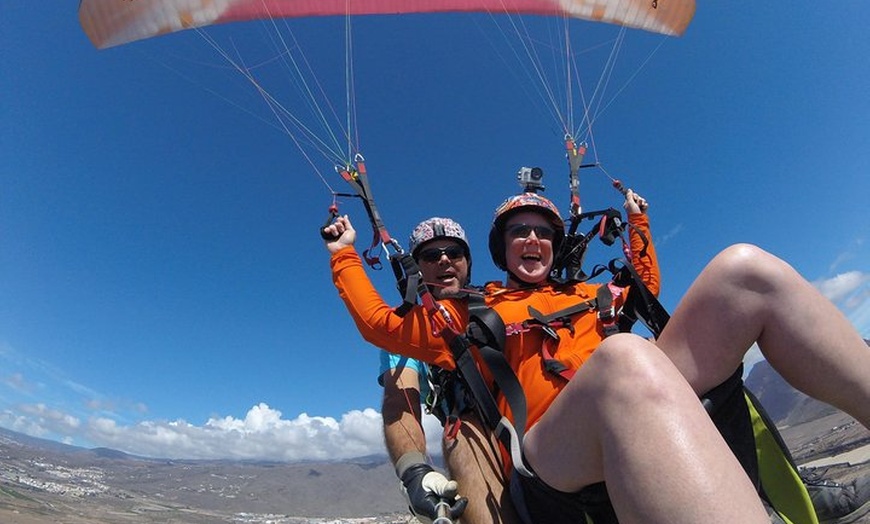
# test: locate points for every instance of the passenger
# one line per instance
(629, 413)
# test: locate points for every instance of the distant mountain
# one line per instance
(36, 442)
(784, 404)
(812, 430)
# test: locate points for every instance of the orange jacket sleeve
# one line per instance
(377, 322)
(643, 257)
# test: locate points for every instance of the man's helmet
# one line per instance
(435, 228)
(513, 205)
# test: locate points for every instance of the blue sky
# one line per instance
(163, 288)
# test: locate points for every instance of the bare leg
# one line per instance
(746, 295)
(401, 411)
(473, 461)
(629, 418)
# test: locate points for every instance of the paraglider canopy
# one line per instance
(114, 22)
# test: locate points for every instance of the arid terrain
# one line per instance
(45, 482)
(49, 483)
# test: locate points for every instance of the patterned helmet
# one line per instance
(513, 205)
(435, 228)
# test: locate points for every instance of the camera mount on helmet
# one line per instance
(530, 178)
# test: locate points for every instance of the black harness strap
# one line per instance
(558, 319)
(640, 303)
(486, 331)
(563, 316)
(409, 280)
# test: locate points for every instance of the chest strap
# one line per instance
(486, 331)
(608, 318)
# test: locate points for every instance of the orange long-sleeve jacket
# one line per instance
(412, 335)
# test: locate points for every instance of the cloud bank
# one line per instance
(41, 401)
(263, 434)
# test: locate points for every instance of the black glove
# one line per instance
(426, 489)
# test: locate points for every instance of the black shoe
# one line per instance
(837, 503)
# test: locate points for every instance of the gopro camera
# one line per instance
(531, 179)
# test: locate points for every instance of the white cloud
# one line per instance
(22, 424)
(38, 420)
(52, 419)
(261, 435)
(843, 285)
(859, 313)
(851, 292)
(434, 431)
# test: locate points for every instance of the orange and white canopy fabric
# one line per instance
(114, 22)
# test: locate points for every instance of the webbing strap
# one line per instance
(358, 179)
(554, 365)
(640, 303)
(486, 330)
(575, 158)
(409, 280)
(561, 318)
(563, 315)
(468, 372)
(607, 315)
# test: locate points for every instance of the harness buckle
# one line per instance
(516, 327)
(550, 332)
(607, 317)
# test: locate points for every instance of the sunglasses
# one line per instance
(434, 254)
(524, 230)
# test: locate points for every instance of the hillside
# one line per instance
(43, 481)
(818, 435)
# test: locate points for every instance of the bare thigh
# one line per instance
(475, 463)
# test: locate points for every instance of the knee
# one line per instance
(749, 267)
(629, 369)
(740, 258)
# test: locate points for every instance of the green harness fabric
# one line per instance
(780, 482)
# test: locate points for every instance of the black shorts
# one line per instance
(538, 503)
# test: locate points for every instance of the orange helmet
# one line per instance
(513, 205)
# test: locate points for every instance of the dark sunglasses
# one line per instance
(524, 230)
(434, 254)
